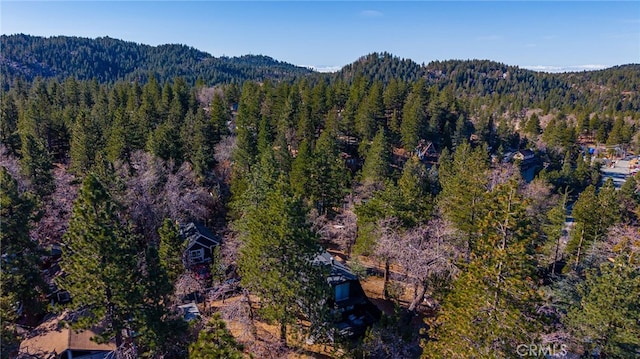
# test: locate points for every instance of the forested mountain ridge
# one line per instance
(382, 67)
(517, 87)
(480, 78)
(108, 60)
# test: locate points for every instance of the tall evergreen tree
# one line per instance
(215, 342)
(99, 258)
(84, 142)
(276, 257)
(20, 272)
(463, 178)
(36, 165)
(416, 189)
(220, 115)
(170, 250)
(491, 307)
(158, 330)
(370, 115)
(9, 135)
(377, 163)
(414, 117)
(553, 230)
(593, 214)
(247, 122)
(300, 170)
(607, 319)
(165, 142)
(327, 175)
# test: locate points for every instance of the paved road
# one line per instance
(618, 173)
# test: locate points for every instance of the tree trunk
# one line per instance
(283, 333)
(579, 250)
(385, 287)
(555, 257)
(254, 331)
(111, 316)
(417, 299)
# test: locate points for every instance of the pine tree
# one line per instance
(165, 142)
(532, 127)
(607, 318)
(36, 165)
(170, 250)
(120, 142)
(415, 189)
(593, 214)
(220, 116)
(629, 200)
(9, 135)
(609, 204)
(414, 117)
(99, 259)
(247, 122)
(463, 178)
(376, 166)
(370, 115)
(276, 257)
(300, 170)
(207, 135)
(327, 175)
(158, 330)
(554, 228)
(83, 144)
(490, 309)
(20, 272)
(215, 342)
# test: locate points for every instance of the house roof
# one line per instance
(339, 272)
(53, 336)
(193, 233)
(190, 311)
(527, 153)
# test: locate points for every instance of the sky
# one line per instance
(541, 35)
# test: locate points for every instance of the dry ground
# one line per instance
(267, 346)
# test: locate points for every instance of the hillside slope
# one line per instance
(108, 60)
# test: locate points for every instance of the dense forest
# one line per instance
(470, 190)
(108, 60)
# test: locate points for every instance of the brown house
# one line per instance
(54, 340)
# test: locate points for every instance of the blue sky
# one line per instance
(542, 35)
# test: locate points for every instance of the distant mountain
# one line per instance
(109, 60)
(381, 67)
(617, 86)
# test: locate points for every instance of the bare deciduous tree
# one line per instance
(538, 193)
(12, 165)
(222, 154)
(501, 173)
(619, 240)
(56, 208)
(429, 254)
(155, 189)
(388, 247)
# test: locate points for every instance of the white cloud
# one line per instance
(371, 13)
(571, 68)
